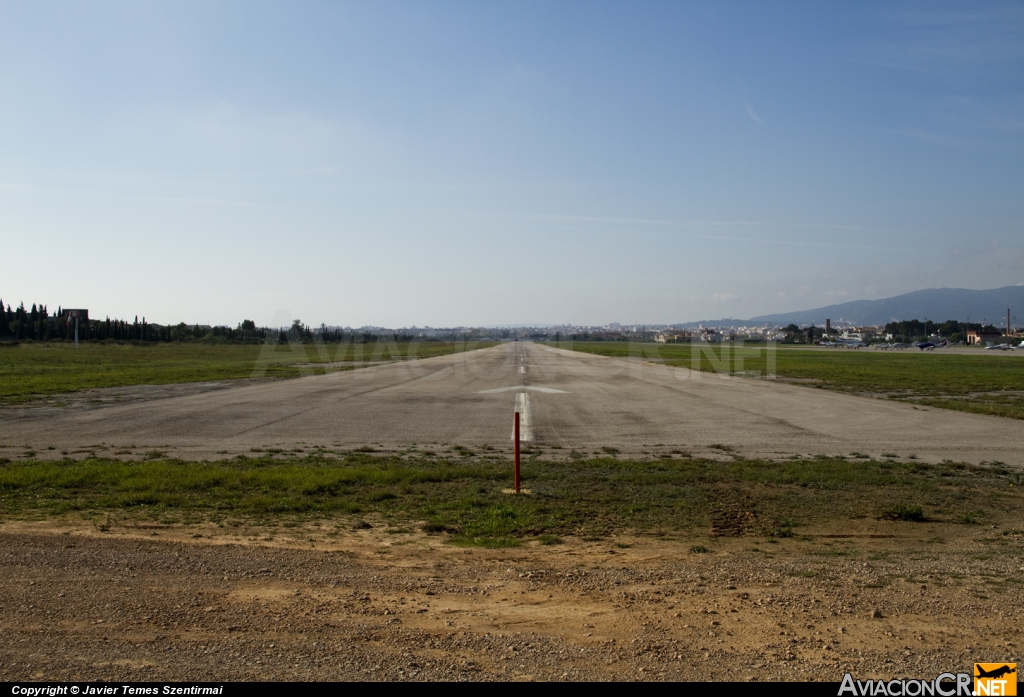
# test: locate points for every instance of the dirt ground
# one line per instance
(105, 600)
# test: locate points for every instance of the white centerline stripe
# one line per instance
(525, 423)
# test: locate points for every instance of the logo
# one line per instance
(995, 679)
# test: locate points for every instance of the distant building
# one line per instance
(976, 337)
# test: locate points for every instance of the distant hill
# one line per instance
(934, 303)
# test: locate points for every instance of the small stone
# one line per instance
(877, 614)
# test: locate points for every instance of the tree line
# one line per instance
(38, 324)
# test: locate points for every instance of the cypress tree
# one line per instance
(19, 315)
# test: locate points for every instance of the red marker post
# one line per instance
(515, 437)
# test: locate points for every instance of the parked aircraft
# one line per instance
(930, 345)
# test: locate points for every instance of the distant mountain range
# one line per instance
(937, 304)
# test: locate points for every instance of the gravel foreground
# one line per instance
(199, 605)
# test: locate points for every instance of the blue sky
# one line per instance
(468, 163)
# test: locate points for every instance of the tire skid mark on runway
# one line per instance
(690, 386)
(777, 421)
(433, 373)
(774, 420)
(698, 376)
(610, 391)
(344, 398)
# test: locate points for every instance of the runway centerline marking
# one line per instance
(531, 388)
(525, 422)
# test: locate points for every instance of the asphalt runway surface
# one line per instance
(567, 400)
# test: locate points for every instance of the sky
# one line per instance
(482, 163)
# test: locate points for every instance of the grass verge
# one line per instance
(591, 497)
(995, 405)
(30, 370)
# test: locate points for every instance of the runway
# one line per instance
(568, 400)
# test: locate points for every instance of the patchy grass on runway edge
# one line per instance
(949, 381)
(1011, 406)
(30, 370)
(463, 496)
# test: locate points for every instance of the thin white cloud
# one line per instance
(660, 222)
(750, 107)
(724, 297)
(86, 193)
(729, 238)
(227, 126)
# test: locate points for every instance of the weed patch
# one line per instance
(592, 498)
(907, 512)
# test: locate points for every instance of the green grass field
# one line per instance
(29, 370)
(935, 379)
(462, 495)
